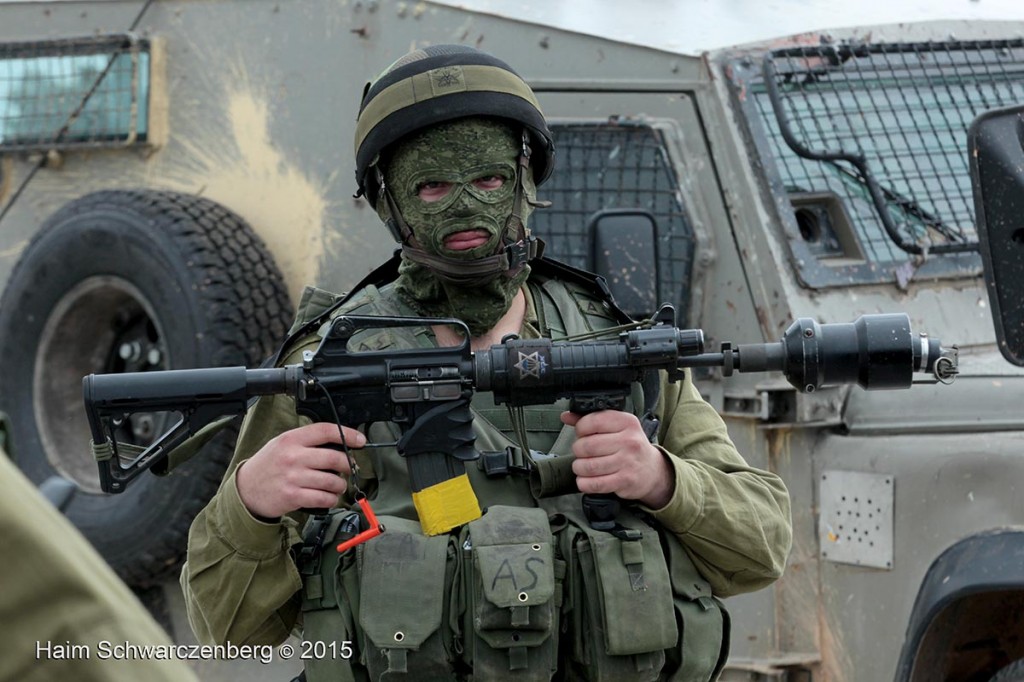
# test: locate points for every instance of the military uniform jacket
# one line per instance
(66, 615)
(730, 523)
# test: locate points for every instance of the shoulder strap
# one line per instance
(313, 302)
(388, 272)
(549, 268)
(570, 301)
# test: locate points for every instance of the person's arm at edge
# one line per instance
(58, 592)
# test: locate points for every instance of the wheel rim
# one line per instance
(102, 325)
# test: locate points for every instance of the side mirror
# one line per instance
(995, 143)
(624, 245)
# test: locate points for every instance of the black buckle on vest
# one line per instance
(316, 538)
(496, 464)
(308, 558)
(600, 509)
(626, 534)
(500, 463)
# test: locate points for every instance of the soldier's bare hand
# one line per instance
(294, 471)
(613, 455)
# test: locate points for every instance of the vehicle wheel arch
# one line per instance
(971, 595)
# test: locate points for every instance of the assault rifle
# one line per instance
(427, 391)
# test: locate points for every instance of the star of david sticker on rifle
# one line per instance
(530, 365)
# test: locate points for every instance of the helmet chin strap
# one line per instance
(509, 256)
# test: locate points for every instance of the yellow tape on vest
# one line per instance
(446, 505)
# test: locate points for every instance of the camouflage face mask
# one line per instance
(475, 159)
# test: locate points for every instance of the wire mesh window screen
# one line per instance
(90, 92)
(904, 109)
(609, 166)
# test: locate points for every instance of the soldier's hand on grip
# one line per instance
(614, 455)
(296, 470)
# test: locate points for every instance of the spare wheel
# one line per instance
(127, 281)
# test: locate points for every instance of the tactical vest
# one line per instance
(528, 591)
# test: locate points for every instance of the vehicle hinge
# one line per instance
(756, 406)
(784, 406)
(784, 668)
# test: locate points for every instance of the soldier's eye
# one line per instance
(433, 190)
(489, 183)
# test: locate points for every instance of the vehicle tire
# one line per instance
(131, 280)
(1011, 673)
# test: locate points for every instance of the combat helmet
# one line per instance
(442, 83)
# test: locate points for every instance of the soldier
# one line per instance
(64, 611)
(450, 147)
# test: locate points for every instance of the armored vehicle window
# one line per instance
(89, 92)
(616, 165)
(868, 144)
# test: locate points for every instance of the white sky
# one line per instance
(696, 26)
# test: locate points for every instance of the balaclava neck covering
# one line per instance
(459, 152)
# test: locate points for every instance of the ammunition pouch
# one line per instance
(619, 601)
(520, 592)
(390, 598)
(635, 606)
(704, 622)
(512, 582)
(404, 592)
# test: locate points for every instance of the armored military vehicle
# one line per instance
(172, 173)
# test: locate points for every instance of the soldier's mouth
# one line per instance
(468, 239)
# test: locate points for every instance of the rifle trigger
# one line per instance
(650, 425)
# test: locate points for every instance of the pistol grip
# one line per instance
(600, 509)
(320, 511)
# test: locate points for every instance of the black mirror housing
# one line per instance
(624, 250)
(996, 152)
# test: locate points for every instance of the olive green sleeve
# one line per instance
(240, 582)
(733, 519)
(61, 602)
